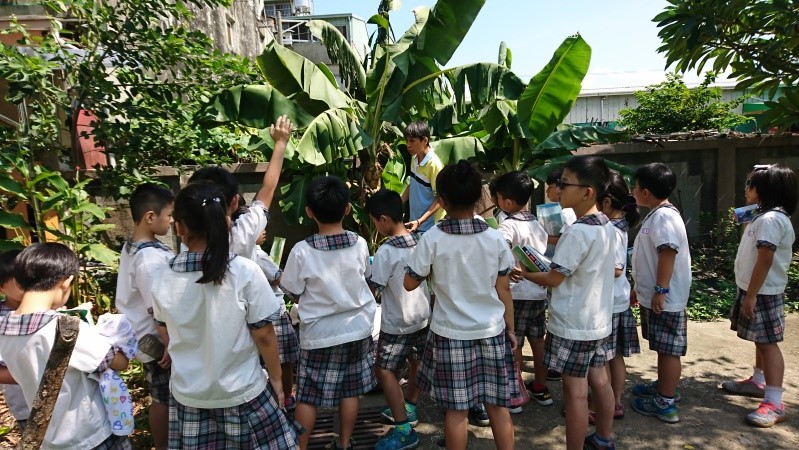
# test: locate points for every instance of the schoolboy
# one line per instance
(326, 274)
(142, 257)
(404, 319)
(662, 274)
(520, 227)
(45, 273)
(12, 294)
(421, 190)
(581, 278)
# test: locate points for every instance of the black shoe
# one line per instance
(553, 375)
(479, 416)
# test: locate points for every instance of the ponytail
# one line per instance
(619, 194)
(202, 210)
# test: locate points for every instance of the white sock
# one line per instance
(773, 395)
(758, 377)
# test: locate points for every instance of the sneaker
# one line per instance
(413, 417)
(541, 397)
(618, 413)
(747, 387)
(479, 416)
(648, 390)
(553, 375)
(650, 407)
(515, 409)
(290, 404)
(333, 445)
(591, 444)
(397, 440)
(767, 415)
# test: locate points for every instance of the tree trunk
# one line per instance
(66, 335)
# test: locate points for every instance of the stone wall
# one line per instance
(236, 29)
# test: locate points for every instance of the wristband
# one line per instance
(661, 290)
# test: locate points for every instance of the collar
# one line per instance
(190, 261)
(332, 241)
(761, 212)
(135, 247)
(620, 223)
(404, 241)
(525, 216)
(25, 324)
(593, 219)
(426, 158)
(664, 205)
(462, 226)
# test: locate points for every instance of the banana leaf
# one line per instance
(483, 83)
(570, 137)
(452, 150)
(292, 201)
(394, 173)
(333, 135)
(255, 105)
(446, 26)
(342, 53)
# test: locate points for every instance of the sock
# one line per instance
(773, 395)
(403, 427)
(410, 407)
(664, 402)
(758, 377)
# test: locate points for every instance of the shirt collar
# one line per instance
(25, 324)
(404, 241)
(663, 205)
(593, 219)
(525, 216)
(462, 226)
(332, 241)
(134, 247)
(190, 261)
(620, 223)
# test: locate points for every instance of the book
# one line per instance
(492, 222)
(276, 252)
(533, 260)
(550, 217)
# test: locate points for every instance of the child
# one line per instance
(404, 318)
(142, 257)
(620, 207)
(217, 311)
(468, 357)
(662, 274)
(520, 227)
(761, 267)
(45, 273)
(425, 166)
(581, 308)
(12, 393)
(326, 274)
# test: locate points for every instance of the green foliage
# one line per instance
(670, 107)
(757, 39)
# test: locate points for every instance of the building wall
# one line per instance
(237, 29)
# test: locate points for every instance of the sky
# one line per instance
(621, 34)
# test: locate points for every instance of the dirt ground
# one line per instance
(709, 418)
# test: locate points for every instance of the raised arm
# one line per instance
(280, 132)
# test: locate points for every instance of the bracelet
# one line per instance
(661, 290)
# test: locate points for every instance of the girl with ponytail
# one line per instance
(215, 312)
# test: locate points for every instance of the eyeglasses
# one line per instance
(561, 184)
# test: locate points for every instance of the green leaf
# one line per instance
(12, 220)
(342, 53)
(477, 85)
(454, 149)
(333, 135)
(101, 253)
(255, 105)
(446, 26)
(292, 201)
(10, 185)
(551, 93)
(393, 176)
(570, 137)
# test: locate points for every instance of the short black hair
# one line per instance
(221, 176)
(590, 170)
(657, 178)
(460, 185)
(418, 130)
(41, 266)
(327, 197)
(7, 265)
(387, 203)
(516, 186)
(775, 186)
(149, 197)
(555, 175)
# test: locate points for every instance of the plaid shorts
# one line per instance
(459, 374)
(157, 382)
(529, 319)
(288, 347)
(573, 358)
(623, 340)
(394, 349)
(768, 326)
(257, 424)
(666, 332)
(326, 375)
(114, 442)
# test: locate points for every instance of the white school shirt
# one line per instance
(214, 359)
(463, 259)
(522, 228)
(402, 312)
(79, 418)
(581, 308)
(327, 274)
(621, 285)
(247, 228)
(662, 227)
(139, 262)
(772, 228)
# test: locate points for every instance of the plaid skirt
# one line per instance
(529, 319)
(257, 424)
(768, 326)
(115, 443)
(394, 349)
(623, 339)
(288, 347)
(573, 358)
(327, 375)
(459, 374)
(666, 332)
(157, 382)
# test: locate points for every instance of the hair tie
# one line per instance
(631, 204)
(215, 199)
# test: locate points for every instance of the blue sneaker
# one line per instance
(413, 417)
(397, 440)
(653, 408)
(649, 390)
(590, 443)
(479, 416)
